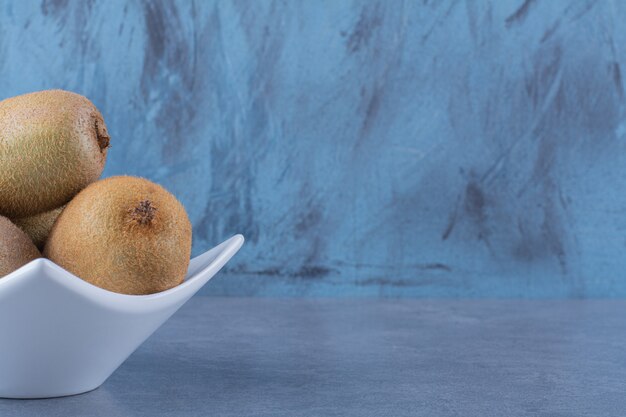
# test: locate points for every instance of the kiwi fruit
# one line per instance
(124, 234)
(38, 227)
(16, 249)
(52, 145)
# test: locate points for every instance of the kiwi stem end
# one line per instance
(143, 213)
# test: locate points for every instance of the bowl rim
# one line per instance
(203, 266)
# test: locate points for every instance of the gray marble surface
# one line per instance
(299, 357)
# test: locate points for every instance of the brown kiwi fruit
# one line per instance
(16, 249)
(123, 234)
(52, 145)
(38, 227)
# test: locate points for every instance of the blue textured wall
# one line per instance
(364, 148)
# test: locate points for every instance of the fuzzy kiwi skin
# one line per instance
(38, 227)
(16, 249)
(52, 145)
(123, 234)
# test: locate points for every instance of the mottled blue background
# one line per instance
(418, 148)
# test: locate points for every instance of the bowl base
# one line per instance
(26, 396)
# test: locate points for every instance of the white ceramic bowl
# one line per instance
(62, 336)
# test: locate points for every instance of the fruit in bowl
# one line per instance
(16, 248)
(117, 250)
(38, 226)
(52, 145)
(123, 234)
